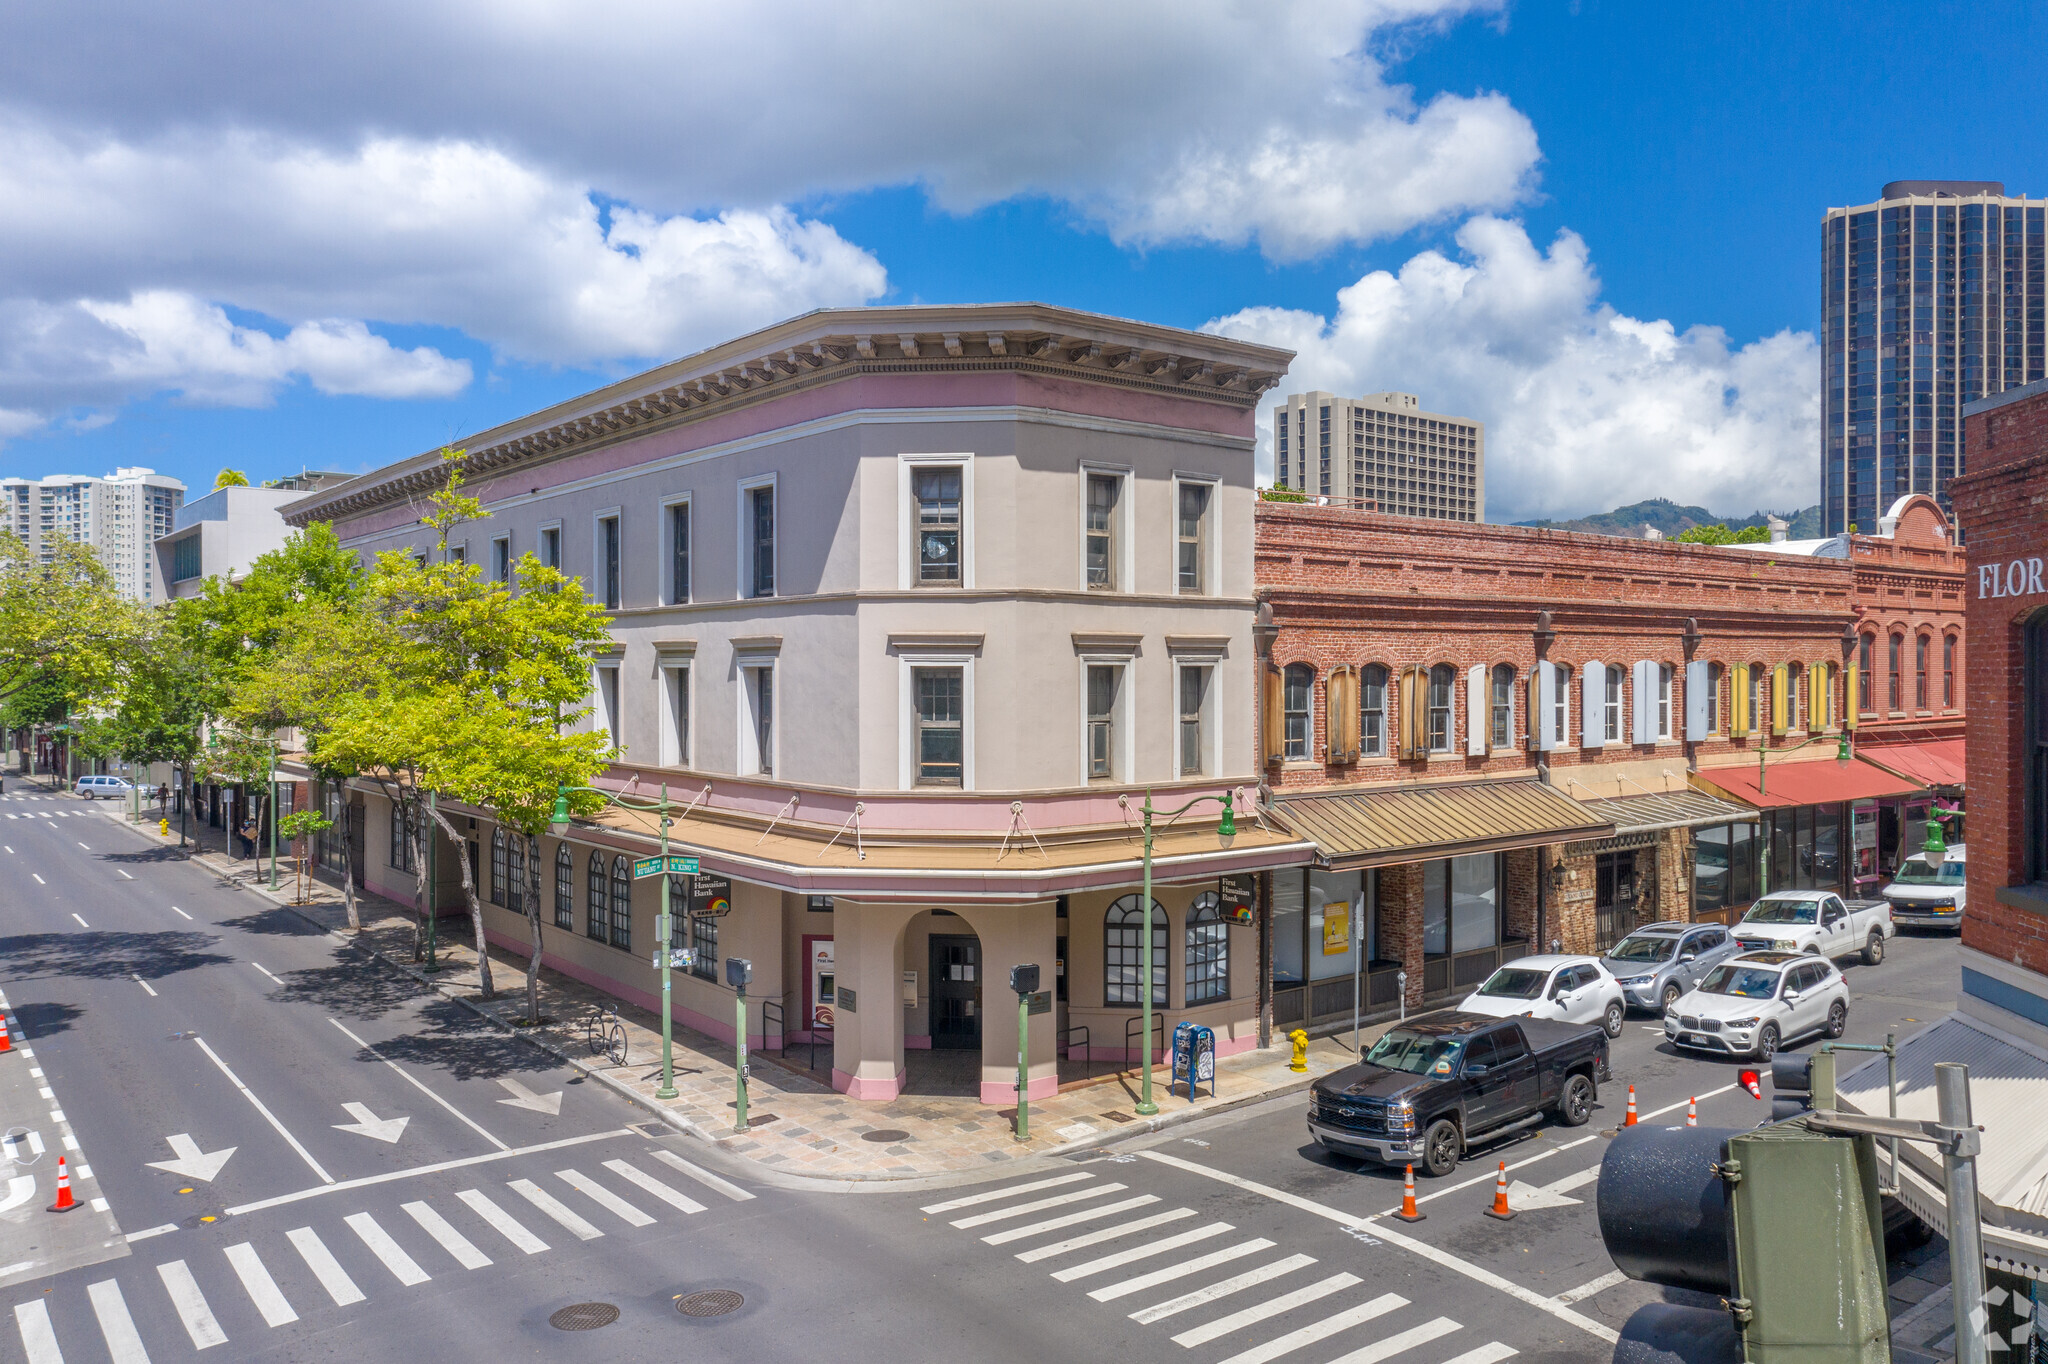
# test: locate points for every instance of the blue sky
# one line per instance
(1592, 225)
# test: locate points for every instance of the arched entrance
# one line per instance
(943, 1056)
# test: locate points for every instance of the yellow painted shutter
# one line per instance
(1852, 680)
(1738, 701)
(1820, 697)
(1781, 698)
(1340, 699)
(1272, 719)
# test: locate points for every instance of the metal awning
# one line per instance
(1653, 813)
(1410, 823)
(1937, 762)
(1813, 782)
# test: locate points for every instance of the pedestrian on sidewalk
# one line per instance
(163, 797)
(247, 833)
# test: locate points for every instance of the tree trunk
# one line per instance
(423, 894)
(476, 909)
(533, 925)
(348, 864)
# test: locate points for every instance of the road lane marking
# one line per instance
(1223, 1288)
(1513, 1165)
(39, 880)
(1070, 1219)
(402, 1266)
(1150, 1248)
(190, 1304)
(502, 1222)
(417, 1170)
(604, 1198)
(268, 1116)
(654, 1186)
(1491, 1353)
(1009, 1192)
(452, 1241)
(38, 1337)
(1307, 1335)
(83, 846)
(325, 1267)
(124, 1342)
(179, 912)
(1673, 1108)
(145, 985)
(415, 1083)
(76, 915)
(702, 1176)
(1123, 1288)
(261, 1288)
(1096, 1238)
(1272, 1307)
(135, 1236)
(1386, 1233)
(124, 875)
(266, 971)
(1587, 1290)
(1038, 1205)
(555, 1208)
(1403, 1340)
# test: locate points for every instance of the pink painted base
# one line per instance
(1225, 1046)
(917, 1043)
(1041, 1087)
(875, 1091)
(722, 1029)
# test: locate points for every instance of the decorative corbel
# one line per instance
(1162, 365)
(1042, 347)
(998, 344)
(864, 346)
(1692, 637)
(908, 341)
(1544, 635)
(1084, 353)
(952, 340)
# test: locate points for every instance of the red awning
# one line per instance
(1806, 783)
(1938, 762)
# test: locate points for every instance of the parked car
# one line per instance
(1758, 1003)
(1816, 921)
(1433, 1087)
(92, 788)
(1659, 962)
(1928, 892)
(1561, 989)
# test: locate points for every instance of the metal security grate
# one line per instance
(715, 1302)
(583, 1316)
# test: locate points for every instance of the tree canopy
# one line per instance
(1719, 534)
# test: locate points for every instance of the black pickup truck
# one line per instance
(1434, 1086)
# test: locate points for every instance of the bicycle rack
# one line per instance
(772, 1020)
(1134, 1025)
(1087, 1049)
(816, 1030)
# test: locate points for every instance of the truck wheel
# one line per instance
(1575, 1105)
(1767, 1044)
(1441, 1147)
(1615, 1014)
(1873, 951)
(1838, 1019)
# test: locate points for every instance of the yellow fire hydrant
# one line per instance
(1299, 1039)
(163, 828)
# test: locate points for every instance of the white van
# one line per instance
(92, 788)
(1928, 892)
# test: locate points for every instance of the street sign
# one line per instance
(710, 897)
(645, 867)
(682, 866)
(1236, 893)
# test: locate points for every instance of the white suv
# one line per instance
(1759, 1002)
(92, 788)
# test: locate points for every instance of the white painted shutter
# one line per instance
(1593, 704)
(1475, 710)
(1645, 699)
(1699, 692)
(1546, 706)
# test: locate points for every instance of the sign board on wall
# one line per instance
(710, 897)
(1336, 928)
(1236, 894)
(2015, 578)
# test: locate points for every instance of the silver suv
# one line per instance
(1659, 962)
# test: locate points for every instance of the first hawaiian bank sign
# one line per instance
(2017, 578)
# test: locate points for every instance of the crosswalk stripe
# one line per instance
(554, 1207)
(503, 1222)
(654, 1186)
(704, 1177)
(325, 1267)
(124, 1343)
(1058, 1200)
(452, 1241)
(1011, 1192)
(1002, 1238)
(1223, 1288)
(38, 1337)
(1343, 1321)
(190, 1305)
(1096, 1238)
(402, 1266)
(1403, 1340)
(1272, 1307)
(1111, 1292)
(604, 1198)
(1150, 1248)
(261, 1288)
(1493, 1352)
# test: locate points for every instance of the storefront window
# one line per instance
(1475, 902)
(1288, 889)
(1436, 908)
(1336, 908)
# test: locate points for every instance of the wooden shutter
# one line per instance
(1540, 737)
(1781, 699)
(1272, 718)
(1819, 701)
(1593, 704)
(1852, 681)
(1414, 713)
(1738, 701)
(1340, 722)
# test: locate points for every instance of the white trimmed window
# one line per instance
(551, 546)
(607, 717)
(757, 719)
(939, 717)
(1611, 704)
(501, 559)
(1105, 534)
(1105, 732)
(606, 567)
(675, 570)
(1196, 727)
(1664, 700)
(757, 514)
(936, 549)
(1194, 536)
(675, 714)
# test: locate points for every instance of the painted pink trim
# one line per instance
(646, 999)
(1041, 1087)
(918, 1042)
(875, 1091)
(1235, 1046)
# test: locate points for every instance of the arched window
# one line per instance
(1866, 648)
(622, 902)
(704, 942)
(1759, 700)
(1208, 957)
(515, 873)
(1921, 646)
(1372, 711)
(1122, 954)
(597, 904)
(1611, 703)
(1894, 700)
(498, 872)
(1501, 707)
(1443, 687)
(1948, 672)
(1664, 701)
(1716, 676)
(565, 887)
(1300, 726)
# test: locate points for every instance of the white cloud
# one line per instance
(1586, 408)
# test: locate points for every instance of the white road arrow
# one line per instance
(191, 1162)
(522, 1097)
(1526, 1196)
(368, 1124)
(20, 1189)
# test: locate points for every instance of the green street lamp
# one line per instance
(1225, 829)
(1843, 754)
(558, 824)
(270, 745)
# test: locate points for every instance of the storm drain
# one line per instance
(715, 1302)
(885, 1136)
(583, 1316)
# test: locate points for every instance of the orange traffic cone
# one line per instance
(1753, 1083)
(1408, 1211)
(1629, 1119)
(65, 1202)
(1692, 1112)
(6, 1042)
(1500, 1207)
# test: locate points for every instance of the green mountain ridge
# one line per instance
(1671, 518)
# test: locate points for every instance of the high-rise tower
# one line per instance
(1382, 449)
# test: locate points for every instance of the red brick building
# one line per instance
(1502, 739)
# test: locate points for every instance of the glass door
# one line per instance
(956, 991)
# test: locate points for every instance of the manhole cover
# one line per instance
(583, 1316)
(714, 1302)
(885, 1136)
(1119, 1117)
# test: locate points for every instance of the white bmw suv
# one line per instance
(1758, 1002)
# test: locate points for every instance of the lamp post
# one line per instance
(270, 746)
(1843, 753)
(1227, 828)
(664, 926)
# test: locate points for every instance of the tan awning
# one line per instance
(1372, 828)
(1652, 812)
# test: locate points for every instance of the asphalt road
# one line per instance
(159, 1003)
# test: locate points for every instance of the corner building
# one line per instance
(911, 607)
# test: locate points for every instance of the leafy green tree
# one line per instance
(1718, 534)
(64, 619)
(230, 478)
(298, 827)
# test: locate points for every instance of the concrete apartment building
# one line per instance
(1383, 451)
(912, 607)
(1932, 297)
(120, 515)
(221, 534)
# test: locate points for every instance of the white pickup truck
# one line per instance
(1816, 921)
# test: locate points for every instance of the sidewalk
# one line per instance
(798, 1125)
